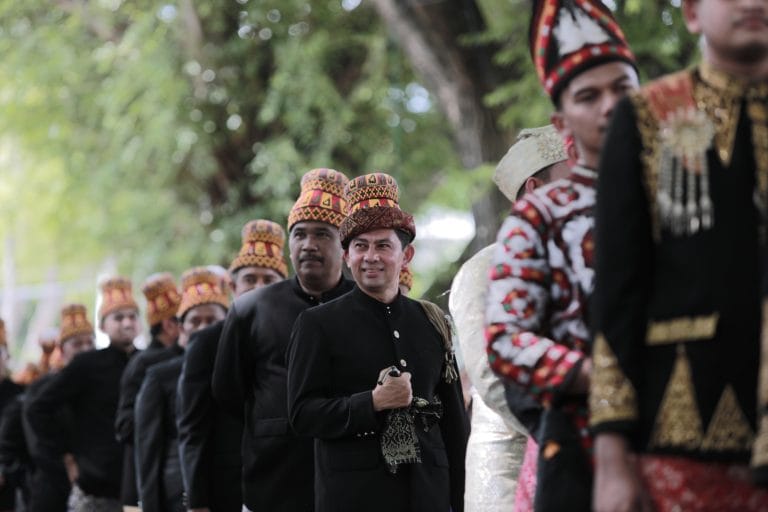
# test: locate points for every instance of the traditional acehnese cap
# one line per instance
(3, 333)
(200, 285)
(406, 277)
(163, 297)
(263, 242)
(321, 199)
(116, 293)
(567, 37)
(535, 149)
(373, 204)
(74, 321)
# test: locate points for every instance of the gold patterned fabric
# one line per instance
(201, 286)
(678, 421)
(682, 329)
(760, 448)
(372, 200)
(116, 293)
(729, 429)
(534, 149)
(163, 297)
(74, 321)
(399, 444)
(612, 396)
(680, 117)
(321, 198)
(263, 242)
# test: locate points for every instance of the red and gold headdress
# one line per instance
(74, 321)
(568, 37)
(163, 297)
(373, 204)
(263, 242)
(200, 285)
(321, 198)
(116, 293)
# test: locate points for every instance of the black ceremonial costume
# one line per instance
(337, 351)
(250, 381)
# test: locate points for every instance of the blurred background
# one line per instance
(139, 136)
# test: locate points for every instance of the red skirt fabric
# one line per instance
(677, 484)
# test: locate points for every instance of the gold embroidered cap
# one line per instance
(567, 37)
(200, 285)
(321, 198)
(373, 204)
(74, 321)
(116, 293)
(535, 149)
(263, 242)
(163, 297)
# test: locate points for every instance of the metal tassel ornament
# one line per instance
(685, 205)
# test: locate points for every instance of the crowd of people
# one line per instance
(604, 354)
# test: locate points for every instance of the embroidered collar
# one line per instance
(722, 97)
(730, 85)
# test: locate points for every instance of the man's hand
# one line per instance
(392, 392)
(617, 487)
(73, 472)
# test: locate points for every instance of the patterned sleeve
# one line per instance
(518, 303)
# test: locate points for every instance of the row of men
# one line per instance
(625, 308)
(163, 428)
(623, 304)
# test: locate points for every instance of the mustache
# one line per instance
(311, 257)
(739, 19)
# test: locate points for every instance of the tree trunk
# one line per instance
(459, 76)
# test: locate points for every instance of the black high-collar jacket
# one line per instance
(90, 387)
(250, 381)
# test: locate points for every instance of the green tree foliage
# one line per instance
(151, 132)
(654, 29)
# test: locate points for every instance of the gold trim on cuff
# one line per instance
(612, 396)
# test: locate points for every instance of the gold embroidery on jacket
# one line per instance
(688, 328)
(678, 422)
(720, 97)
(762, 389)
(648, 126)
(729, 429)
(760, 448)
(758, 113)
(612, 396)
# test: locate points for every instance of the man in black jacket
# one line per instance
(48, 478)
(371, 376)
(90, 386)
(209, 440)
(249, 379)
(159, 480)
(9, 390)
(163, 300)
